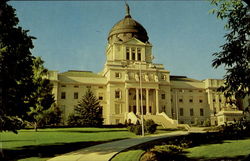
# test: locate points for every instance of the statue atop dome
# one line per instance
(127, 10)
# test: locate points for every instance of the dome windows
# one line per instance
(133, 53)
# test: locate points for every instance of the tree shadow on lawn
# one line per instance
(82, 131)
(199, 139)
(46, 150)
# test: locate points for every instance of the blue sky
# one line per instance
(72, 35)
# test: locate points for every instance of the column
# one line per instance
(127, 100)
(137, 102)
(147, 101)
(157, 101)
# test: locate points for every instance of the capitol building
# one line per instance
(131, 85)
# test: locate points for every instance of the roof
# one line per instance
(128, 28)
(79, 73)
(183, 78)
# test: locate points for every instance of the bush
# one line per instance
(167, 149)
(137, 129)
(150, 126)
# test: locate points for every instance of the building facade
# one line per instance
(131, 84)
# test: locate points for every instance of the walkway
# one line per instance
(104, 152)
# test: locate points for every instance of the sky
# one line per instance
(72, 35)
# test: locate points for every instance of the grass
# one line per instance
(227, 149)
(47, 143)
(131, 155)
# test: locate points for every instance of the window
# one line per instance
(139, 56)
(191, 112)
(63, 85)
(219, 100)
(75, 86)
(88, 87)
(190, 100)
(118, 109)
(213, 100)
(180, 100)
(127, 54)
(200, 91)
(118, 75)
(63, 95)
(201, 112)
(101, 87)
(181, 112)
(163, 96)
(190, 90)
(133, 53)
(117, 94)
(100, 96)
(75, 95)
(200, 100)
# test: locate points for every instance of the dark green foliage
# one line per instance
(137, 129)
(88, 112)
(167, 149)
(150, 126)
(42, 98)
(235, 53)
(16, 72)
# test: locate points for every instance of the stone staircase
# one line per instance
(163, 120)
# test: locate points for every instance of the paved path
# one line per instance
(104, 152)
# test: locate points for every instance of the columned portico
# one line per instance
(150, 101)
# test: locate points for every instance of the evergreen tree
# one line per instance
(88, 112)
(235, 53)
(16, 73)
(42, 98)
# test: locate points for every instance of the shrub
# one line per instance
(135, 129)
(150, 126)
(149, 156)
(167, 149)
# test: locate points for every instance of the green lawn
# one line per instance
(131, 155)
(47, 143)
(231, 149)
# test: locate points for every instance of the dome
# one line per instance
(126, 29)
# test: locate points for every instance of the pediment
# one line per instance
(134, 41)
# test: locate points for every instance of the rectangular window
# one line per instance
(181, 112)
(201, 112)
(88, 87)
(163, 96)
(180, 100)
(117, 94)
(118, 109)
(200, 100)
(190, 100)
(75, 95)
(75, 86)
(63, 95)
(191, 112)
(190, 90)
(139, 56)
(127, 54)
(133, 53)
(118, 75)
(100, 96)
(63, 85)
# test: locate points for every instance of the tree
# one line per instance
(42, 98)
(16, 73)
(88, 112)
(235, 53)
